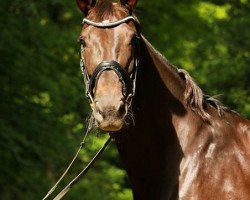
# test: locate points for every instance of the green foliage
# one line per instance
(42, 94)
(210, 39)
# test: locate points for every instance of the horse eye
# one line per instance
(134, 40)
(82, 42)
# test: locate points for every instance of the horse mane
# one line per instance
(194, 98)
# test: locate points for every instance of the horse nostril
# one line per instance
(98, 108)
(105, 109)
(121, 108)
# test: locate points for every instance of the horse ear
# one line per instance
(85, 5)
(130, 3)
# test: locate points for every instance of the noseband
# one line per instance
(128, 80)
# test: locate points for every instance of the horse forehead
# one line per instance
(117, 14)
(106, 37)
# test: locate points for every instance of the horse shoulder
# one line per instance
(221, 157)
(243, 129)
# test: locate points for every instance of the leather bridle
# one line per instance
(128, 80)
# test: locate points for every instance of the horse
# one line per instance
(174, 141)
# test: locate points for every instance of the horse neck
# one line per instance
(163, 125)
(153, 145)
(162, 71)
(161, 93)
(159, 106)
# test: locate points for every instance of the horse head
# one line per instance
(109, 59)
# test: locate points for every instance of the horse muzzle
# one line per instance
(109, 117)
(110, 105)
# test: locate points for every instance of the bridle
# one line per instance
(128, 89)
(128, 80)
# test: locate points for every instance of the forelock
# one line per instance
(104, 9)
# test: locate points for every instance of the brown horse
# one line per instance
(181, 144)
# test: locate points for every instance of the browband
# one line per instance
(107, 24)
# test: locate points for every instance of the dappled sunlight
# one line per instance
(211, 12)
(44, 100)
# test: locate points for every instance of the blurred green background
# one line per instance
(42, 107)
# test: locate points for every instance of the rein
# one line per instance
(82, 173)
